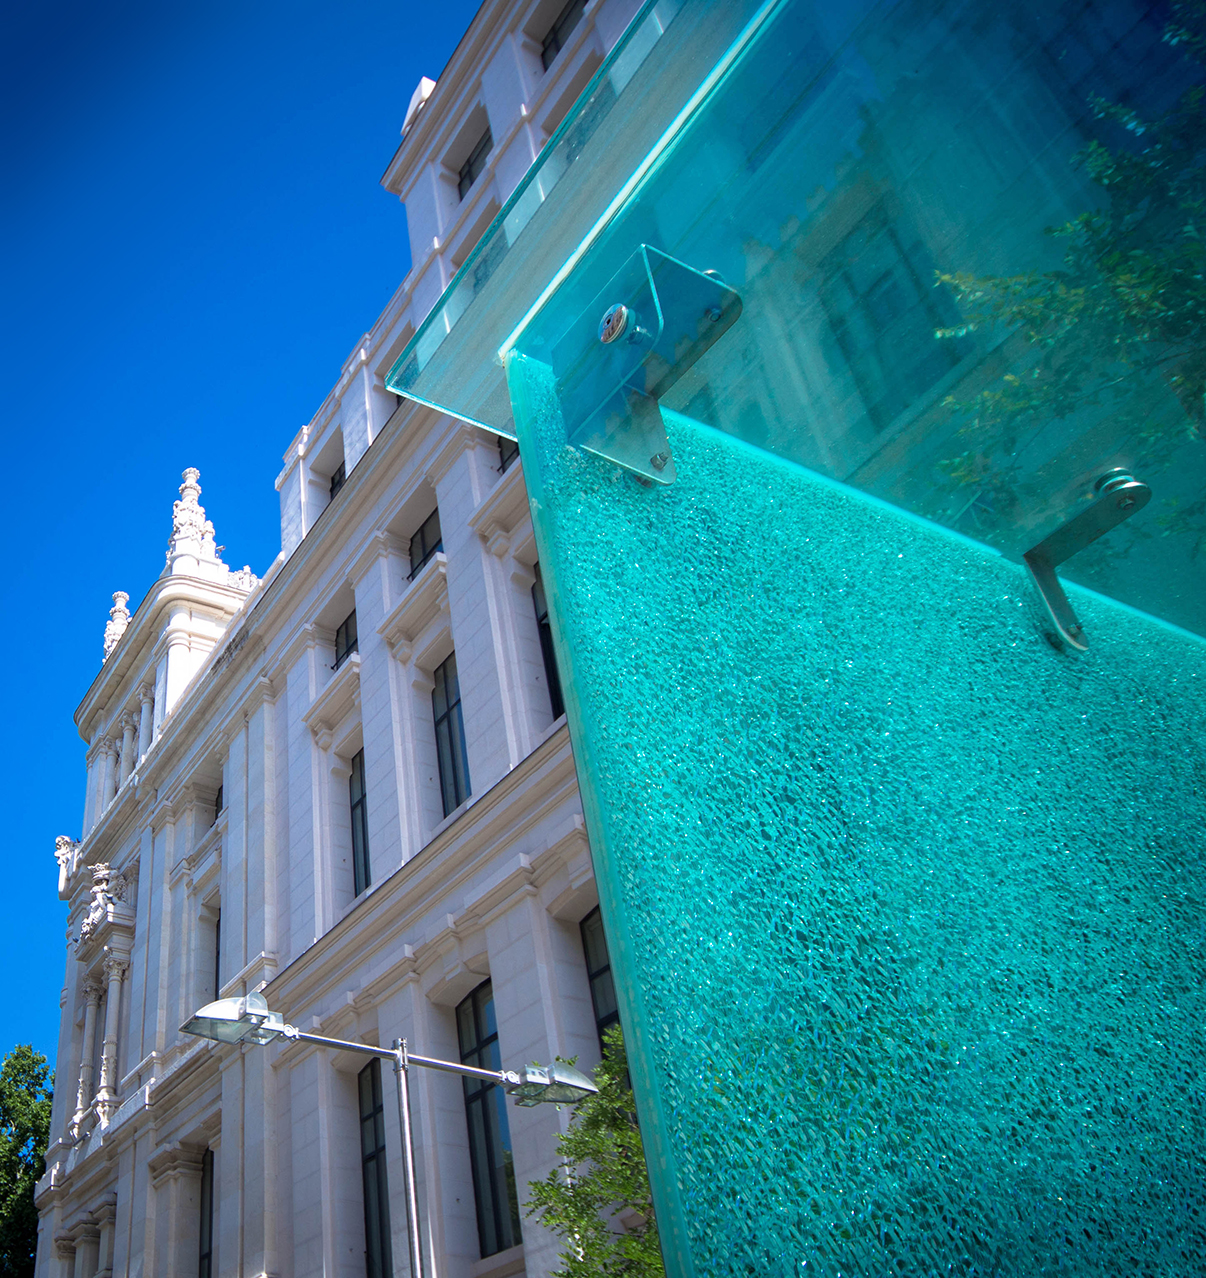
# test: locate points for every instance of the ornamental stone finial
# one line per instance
(188, 518)
(119, 619)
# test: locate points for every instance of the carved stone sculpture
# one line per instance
(119, 619)
(65, 851)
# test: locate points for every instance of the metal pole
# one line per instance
(402, 1076)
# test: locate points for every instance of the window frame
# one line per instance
(564, 24)
(205, 1209)
(448, 721)
(598, 972)
(374, 1172)
(486, 1123)
(475, 164)
(544, 630)
(428, 545)
(362, 874)
(339, 477)
(347, 639)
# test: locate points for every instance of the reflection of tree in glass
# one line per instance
(1121, 323)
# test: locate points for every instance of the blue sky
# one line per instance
(194, 238)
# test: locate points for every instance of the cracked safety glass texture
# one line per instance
(904, 899)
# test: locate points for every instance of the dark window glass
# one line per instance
(471, 169)
(360, 848)
(559, 32)
(598, 969)
(450, 736)
(338, 478)
(345, 639)
(205, 1263)
(378, 1257)
(217, 953)
(556, 701)
(219, 804)
(508, 450)
(489, 1136)
(425, 543)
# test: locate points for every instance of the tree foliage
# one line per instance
(1122, 321)
(598, 1199)
(25, 1097)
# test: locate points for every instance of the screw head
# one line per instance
(613, 323)
(713, 313)
(658, 461)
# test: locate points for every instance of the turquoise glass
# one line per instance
(903, 890)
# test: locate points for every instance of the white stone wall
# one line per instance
(221, 684)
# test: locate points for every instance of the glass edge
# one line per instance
(534, 171)
(648, 166)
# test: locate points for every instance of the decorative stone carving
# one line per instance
(243, 578)
(188, 519)
(119, 619)
(108, 887)
(66, 853)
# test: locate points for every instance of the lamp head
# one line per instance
(556, 1084)
(236, 1020)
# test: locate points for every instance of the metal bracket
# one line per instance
(654, 318)
(1119, 497)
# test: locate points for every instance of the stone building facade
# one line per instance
(347, 785)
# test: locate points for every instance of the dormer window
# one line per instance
(559, 32)
(345, 639)
(338, 479)
(473, 166)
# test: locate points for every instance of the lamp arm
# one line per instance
(507, 1077)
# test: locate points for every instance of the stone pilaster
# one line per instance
(84, 1094)
(116, 967)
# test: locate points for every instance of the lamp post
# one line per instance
(249, 1020)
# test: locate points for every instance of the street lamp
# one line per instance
(249, 1020)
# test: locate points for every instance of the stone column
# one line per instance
(127, 749)
(83, 1097)
(116, 966)
(87, 1249)
(146, 718)
(108, 775)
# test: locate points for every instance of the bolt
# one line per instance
(713, 313)
(1125, 503)
(658, 461)
(613, 323)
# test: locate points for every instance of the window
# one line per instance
(219, 804)
(508, 451)
(378, 1259)
(450, 736)
(556, 701)
(205, 1262)
(559, 32)
(360, 848)
(345, 639)
(339, 478)
(598, 970)
(425, 543)
(472, 168)
(217, 953)
(489, 1136)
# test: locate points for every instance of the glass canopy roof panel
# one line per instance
(968, 275)
(651, 73)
